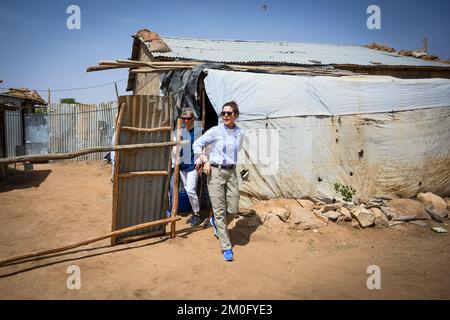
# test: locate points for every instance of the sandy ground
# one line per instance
(62, 203)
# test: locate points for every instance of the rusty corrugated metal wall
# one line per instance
(143, 199)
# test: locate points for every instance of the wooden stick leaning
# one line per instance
(70, 155)
(145, 130)
(163, 66)
(142, 174)
(116, 170)
(169, 158)
(176, 175)
(91, 240)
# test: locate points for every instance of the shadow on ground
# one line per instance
(245, 226)
(19, 179)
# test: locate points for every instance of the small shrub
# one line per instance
(347, 192)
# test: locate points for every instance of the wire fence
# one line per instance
(61, 128)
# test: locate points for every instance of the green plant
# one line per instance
(347, 192)
(68, 100)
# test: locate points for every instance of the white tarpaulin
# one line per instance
(262, 96)
(294, 148)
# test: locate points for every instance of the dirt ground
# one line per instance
(62, 203)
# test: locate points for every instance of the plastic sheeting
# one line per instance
(381, 154)
(182, 85)
(387, 136)
(262, 96)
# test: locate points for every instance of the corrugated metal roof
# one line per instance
(236, 51)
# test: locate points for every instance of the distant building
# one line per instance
(14, 104)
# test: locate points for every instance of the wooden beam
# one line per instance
(117, 130)
(161, 63)
(101, 68)
(88, 241)
(176, 176)
(150, 70)
(70, 155)
(146, 130)
(169, 160)
(117, 91)
(142, 174)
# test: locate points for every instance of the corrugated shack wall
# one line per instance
(65, 128)
(143, 199)
(14, 131)
(36, 133)
(74, 127)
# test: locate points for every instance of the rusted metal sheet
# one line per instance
(144, 198)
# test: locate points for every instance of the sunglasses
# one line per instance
(186, 118)
(228, 113)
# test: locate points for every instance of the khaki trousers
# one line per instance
(224, 194)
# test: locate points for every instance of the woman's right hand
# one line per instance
(198, 164)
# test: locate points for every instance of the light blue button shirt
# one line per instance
(225, 144)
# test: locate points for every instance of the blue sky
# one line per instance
(39, 52)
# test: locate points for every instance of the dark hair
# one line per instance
(233, 106)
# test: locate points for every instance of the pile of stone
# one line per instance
(419, 54)
(153, 41)
(377, 212)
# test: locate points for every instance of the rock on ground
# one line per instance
(332, 215)
(282, 213)
(363, 216)
(307, 204)
(302, 219)
(332, 207)
(409, 207)
(346, 213)
(380, 218)
(447, 200)
(273, 221)
(435, 202)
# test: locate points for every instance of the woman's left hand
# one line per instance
(207, 168)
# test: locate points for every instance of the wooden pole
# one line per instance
(117, 91)
(142, 174)
(91, 240)
(176, 174)
(116, 170)
(145, 130)
(107, 67)
(70, 155)
(169, 160)
(203, 106)
(49, 101)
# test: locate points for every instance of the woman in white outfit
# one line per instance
(188, 173)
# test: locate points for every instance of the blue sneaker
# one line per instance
(211, 221)
(228, 255)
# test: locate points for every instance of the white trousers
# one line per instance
(190, 183)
